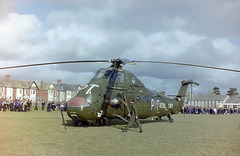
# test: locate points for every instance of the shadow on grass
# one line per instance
(113, 123)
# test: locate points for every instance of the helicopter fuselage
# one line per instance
(108, 94)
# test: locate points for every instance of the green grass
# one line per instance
(42, 133)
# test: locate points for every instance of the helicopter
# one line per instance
(107, 95)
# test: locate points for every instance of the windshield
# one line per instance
(103, 74)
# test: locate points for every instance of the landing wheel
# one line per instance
(170, 119)
(81, 123)
(108, 123)
(75, 123)
(101, 122)
(135, 125)
(104, 122)
(159, 118)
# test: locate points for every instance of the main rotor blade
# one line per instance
(110, 61)
(52, 63)
(192, 65)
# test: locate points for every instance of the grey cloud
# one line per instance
(182, 31)
(6, 7)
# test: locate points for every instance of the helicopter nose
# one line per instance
(77, 101)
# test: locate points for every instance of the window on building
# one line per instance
(50, 92)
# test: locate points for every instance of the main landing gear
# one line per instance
(104, 122)
(79, 123)
(170, 118)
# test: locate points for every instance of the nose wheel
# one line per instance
(170, 118)
(75, 122)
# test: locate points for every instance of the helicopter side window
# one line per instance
(139, 98)
(120, 78)
(146, 99)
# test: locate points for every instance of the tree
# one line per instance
(232, 92)
(209, 92)
(216, 91)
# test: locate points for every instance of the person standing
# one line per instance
(28, 105)
(0, 105)
(134, 117)
(36, 106)
(19, 106)
(25, 105)
(8, 105)
(4, 105)
(48, 106)
(43, 105)
(11, 106)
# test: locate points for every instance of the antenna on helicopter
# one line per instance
(191, 95)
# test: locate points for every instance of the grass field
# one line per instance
(42, 133)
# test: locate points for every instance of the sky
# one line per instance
(186, 31)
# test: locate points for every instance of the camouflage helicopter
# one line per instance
(107, 95)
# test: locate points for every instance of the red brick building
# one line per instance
(18, 89)
(57, 92)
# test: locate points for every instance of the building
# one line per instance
(208, 101)
(233, 102)
(57, 92)
(18, 89)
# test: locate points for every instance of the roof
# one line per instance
(62, 87)
(70, 87)
(58, 88)
(234, 99)
(46, 86)
(203, 97)
(17, 83)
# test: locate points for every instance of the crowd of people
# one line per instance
(26, 105)
(52, 106)
(16, 105)
(203, 110)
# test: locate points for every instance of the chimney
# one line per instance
(59, 82)
(41, 87)
(8, 77)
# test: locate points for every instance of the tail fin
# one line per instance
(181, 95)
(183, 90)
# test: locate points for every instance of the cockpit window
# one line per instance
(99, 74)
(107, 74)
(113, 75)
(104, 74)
(120, 78)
